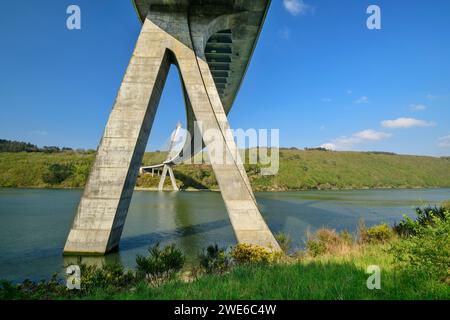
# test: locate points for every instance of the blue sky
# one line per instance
(318, 74)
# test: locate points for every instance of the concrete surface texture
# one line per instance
(179, 35)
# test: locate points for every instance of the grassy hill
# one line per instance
(299, 169)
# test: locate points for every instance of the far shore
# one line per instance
(299, 170)
(256, 191)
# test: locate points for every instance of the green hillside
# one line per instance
(313, 169)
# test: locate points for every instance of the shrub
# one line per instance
(109, 276)
(424, 217)
(284, 240)
(161, 265)
(315, 248)
(57, 173)
(427, 248)
(9, 291)
(214, 259)
(379, 233)
(327, 236)
(248, 253)
(28, 289)
(406, 227)
(327, 241)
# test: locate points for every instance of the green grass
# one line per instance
(327, 277)
(299, 170)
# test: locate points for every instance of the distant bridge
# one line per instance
(166, 166)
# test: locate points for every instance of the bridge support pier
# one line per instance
(167, 169)
(166, 38)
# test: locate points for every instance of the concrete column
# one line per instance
(167, 169)
(248, 224)
(172, 178)
(165, 38)
(101, 214)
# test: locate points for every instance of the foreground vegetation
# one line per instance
(299, 170)
(414, 259)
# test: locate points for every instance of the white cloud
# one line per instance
(296, 7)
(362, 100)
(347, 143)
(444, 142)
(405, 123)
(418, 107)
(371, 135)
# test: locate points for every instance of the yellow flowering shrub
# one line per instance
(248, 253)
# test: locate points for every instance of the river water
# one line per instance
(34, 223)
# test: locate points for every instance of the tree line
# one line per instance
(20, 146)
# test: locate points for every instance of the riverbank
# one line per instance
(409, 261)
(298, 170)
(321, 278)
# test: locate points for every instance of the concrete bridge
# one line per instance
(211, 43)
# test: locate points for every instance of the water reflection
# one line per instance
(34, 223)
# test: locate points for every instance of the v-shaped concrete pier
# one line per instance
(211, 43)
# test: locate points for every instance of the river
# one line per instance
(34, 223)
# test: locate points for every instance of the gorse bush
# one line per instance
(108, 276)
(426, 247)
(245, 253)
(379, 233)
(424, 217)
(28, 289)
(428, 215)
(315, 248)
(8, 291)
(214, 259)
(161, 264)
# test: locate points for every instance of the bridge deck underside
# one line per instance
(228, 51)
